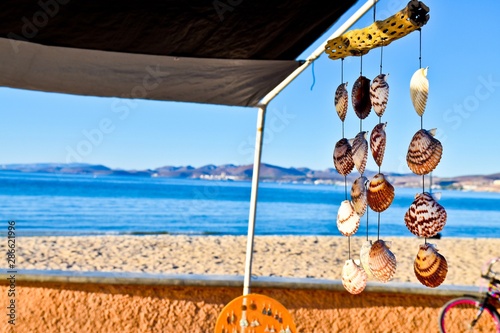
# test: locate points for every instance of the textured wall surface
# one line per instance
(74, 307)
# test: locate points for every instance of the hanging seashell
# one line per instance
(342, 157)
(425, 217)
(360, 151)
(380, 193)
(377, 142)
(361, 97)
(424, 152)
(382, 261)
(430, 267)
(341, 100)
(364, 256)
(347, 219)
(419, 89)
(379, 94)
(353, 277)
(358, 195)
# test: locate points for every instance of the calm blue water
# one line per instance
(47, 204)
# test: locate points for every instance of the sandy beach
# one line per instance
(285, 256)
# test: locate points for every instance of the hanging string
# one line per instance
(345, 185)
(361, 68)
(314, 76)
(430, 185)
(360, 125)
(374, 11)
(378, 227)
(342, 71)
(420, 49)
(423, 183)
(381, 55)
(349, 242)
(367, 223)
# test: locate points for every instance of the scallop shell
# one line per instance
(361, 97)
(358, 195)
(424, 152)
(380, 193)
(382, 261)
(360, 151)
(379, 94)
(419, 89)
(342, 157)
(341, 100)
(430, 267)
(364, 256)
(377, 142)
(425, 217)
(353, 277)
(347, 219)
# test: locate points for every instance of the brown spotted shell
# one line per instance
(360, 151)
(430, 267)
(425, 217)
(379, 94)
(360, 97)
(341, 100)
(424, 152)
(342, 157)
(364, 256)
(358, 195)
(347, 219)
(382, 261)
(377, 142)
(380, 193)
(419, 90)
(353, 277)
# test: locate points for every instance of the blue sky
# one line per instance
(460, 46)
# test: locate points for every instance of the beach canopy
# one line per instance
(230, 52)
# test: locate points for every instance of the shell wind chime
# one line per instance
(425, 217)
(376, 258)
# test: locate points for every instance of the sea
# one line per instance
(69, 205)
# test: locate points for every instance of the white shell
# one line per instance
(360, 151)
(382, 261)
(419, 89)
(353, 277)
(379, 94)
(347, 219)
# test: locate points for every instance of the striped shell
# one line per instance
(358, 195)
(424, 152)
(425, 217)
(364, 256)
(382, 261)
(342, 157)
(361, 97)
(419, 89)
(377, 142)
(430, 267)
(379, 94)
(341, 100)
(347, 219)
(360, 151)
(353, 277)
(380, 193)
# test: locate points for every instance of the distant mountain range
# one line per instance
(268, 172)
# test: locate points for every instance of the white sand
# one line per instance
(287, 256)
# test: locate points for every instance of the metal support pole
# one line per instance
(253, 198)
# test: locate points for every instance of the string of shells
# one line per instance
(425, 217)
(376, 259)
